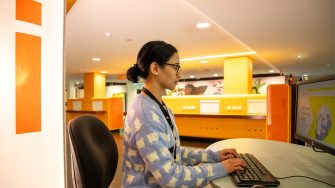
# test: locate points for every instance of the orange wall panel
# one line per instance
(28, 83)
(29, 11)
(279, 113)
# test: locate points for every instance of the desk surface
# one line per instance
(283, 159)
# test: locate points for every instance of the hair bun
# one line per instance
(133, 73)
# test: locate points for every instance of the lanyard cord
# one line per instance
(167, 117)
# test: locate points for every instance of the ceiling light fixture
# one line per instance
(203, 25)
(77, 82)
(96, 59)
(215, 75)
(271, 71)
(103, 72)
(108, 34)
(203, 61)
(218, 56)
(299, 56)
(191, 76)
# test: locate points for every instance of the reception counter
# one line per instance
(221, 116)
(108, 110)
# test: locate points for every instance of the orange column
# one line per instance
(237, 75)
(94, 85)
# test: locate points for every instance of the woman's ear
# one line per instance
(154, 68)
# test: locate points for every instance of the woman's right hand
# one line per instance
(233, 164)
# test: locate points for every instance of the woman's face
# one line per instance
(170, 73)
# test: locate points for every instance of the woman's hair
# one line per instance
(153, 51)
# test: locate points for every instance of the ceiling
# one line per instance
(296, 37)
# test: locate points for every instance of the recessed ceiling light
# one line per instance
(77, 82)
(103, 72)
(219, 56)
(299, 56)
(108, 34)
(215, 75)
(203, 61)
(191, 76)
(96, 59)
(203, 25)
(271, 71)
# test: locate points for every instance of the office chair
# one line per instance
(94, 154)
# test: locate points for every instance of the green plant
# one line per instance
(256, 85)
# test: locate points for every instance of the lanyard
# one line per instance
(166, 115)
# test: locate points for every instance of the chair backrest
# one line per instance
(94, 154)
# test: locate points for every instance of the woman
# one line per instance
(153, 156)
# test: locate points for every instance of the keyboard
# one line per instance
(254, 174)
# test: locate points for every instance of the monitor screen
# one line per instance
(315, 113)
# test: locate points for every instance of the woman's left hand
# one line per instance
(227, 153)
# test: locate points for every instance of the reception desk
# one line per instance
(108, 110)
(220, 116)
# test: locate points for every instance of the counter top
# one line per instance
(87, 111)
(223, 116)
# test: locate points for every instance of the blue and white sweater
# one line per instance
(147, 160)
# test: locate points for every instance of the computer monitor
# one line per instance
(315, 113)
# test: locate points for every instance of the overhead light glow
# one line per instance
(271, 71)
(218, 56)
(96, 59)
(191, 76)
(77, 82)
(203, 25)
(203, 61)
(108, 34)
(103, 72)
(215, 75)
(299, 56)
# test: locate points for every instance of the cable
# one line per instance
(313, 146)
(305, 177)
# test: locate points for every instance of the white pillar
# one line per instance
(34, 159)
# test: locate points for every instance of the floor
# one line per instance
(117, 181)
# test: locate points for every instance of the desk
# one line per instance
(283, 159)
(220, 126)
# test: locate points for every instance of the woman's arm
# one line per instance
(196, 156)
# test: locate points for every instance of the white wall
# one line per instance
(131, 92)
(33, 159)
(110, 90)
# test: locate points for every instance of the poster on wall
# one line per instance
(202, 87)
(216, 87)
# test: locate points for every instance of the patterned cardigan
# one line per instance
(147, 159)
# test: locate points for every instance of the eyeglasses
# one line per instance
(175, 66)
